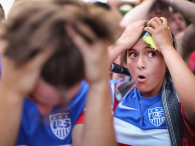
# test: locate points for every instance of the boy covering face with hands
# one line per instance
(47, 76)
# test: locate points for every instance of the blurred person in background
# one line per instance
(177, 22)
(181, 8)
(147, 9)
(184, 34)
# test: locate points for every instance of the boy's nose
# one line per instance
(141, 63)
(178, 21)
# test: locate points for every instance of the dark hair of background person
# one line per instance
(2, 13)
(103, 5)
(33, 26)
(186, 20)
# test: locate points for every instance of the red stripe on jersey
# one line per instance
(81, 118)
(121, 144)
(189, 135)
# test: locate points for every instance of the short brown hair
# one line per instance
(36, 25)
(2, 13)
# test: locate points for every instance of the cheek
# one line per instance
(132, 68)
(172, 25)
(184, 24)
(158, 69)
(158, 73)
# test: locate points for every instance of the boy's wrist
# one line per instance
(10, 98)
(167, 50)
(123, 44)
(100, 83)
(7, 91)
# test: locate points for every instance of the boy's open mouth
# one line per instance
(141, 77)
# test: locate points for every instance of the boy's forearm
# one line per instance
(114, 51)
(98, 128)
(118, 3)
(10, 116)
(137, 13)
(184, 7)
(184, 81)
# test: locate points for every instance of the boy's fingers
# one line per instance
(158, 21)
(86, 30)
(141, 22)
(40, 59)
(77, 39)
(138, 23)
(165, 22)
(152, 23)
(149, 29)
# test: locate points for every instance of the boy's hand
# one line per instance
(20, 79)
(129, 37)
(160, 33)
(94, 54)
(131, 34)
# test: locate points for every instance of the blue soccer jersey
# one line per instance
(140, 120)
(54, 129)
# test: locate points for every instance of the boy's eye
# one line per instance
(180, 18)
(133, 55)
(151, 54)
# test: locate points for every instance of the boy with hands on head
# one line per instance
(140, 117)
(44, 64)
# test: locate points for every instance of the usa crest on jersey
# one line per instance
(156, 116)
(60, 124)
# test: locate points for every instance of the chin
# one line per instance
(143, 89)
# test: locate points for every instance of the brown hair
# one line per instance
(33, 26)
(2, 13)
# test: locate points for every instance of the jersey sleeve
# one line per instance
(113, 84)
(81, 118)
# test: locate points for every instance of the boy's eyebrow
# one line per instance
(147, 47)
(131, 49)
